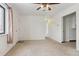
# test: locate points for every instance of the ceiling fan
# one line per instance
(45, 6)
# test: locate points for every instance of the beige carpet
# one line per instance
(43, 48)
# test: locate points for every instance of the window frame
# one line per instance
(3, 19)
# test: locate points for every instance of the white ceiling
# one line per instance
(30, 8)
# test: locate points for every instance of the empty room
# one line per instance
(39, 29)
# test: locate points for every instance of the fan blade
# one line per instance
(53, 3)
(38, 8)
(47, 3)
(49, 8)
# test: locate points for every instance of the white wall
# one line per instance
(4, 47)
(56, 31)
(16, 18)
(32, 27)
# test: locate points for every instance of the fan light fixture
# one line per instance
(45, 6)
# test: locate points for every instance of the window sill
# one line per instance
(3, 35)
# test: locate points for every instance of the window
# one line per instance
(2, 20)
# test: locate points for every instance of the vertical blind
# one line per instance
(10, 19)
(10, 34)
(10, 22)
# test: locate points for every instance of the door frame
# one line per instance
(63, 40)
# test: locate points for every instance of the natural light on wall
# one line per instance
(49, 21)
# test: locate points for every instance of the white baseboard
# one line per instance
(32, 38)
(54, 39)
(9, 47)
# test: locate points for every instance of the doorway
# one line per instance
(69, 28)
